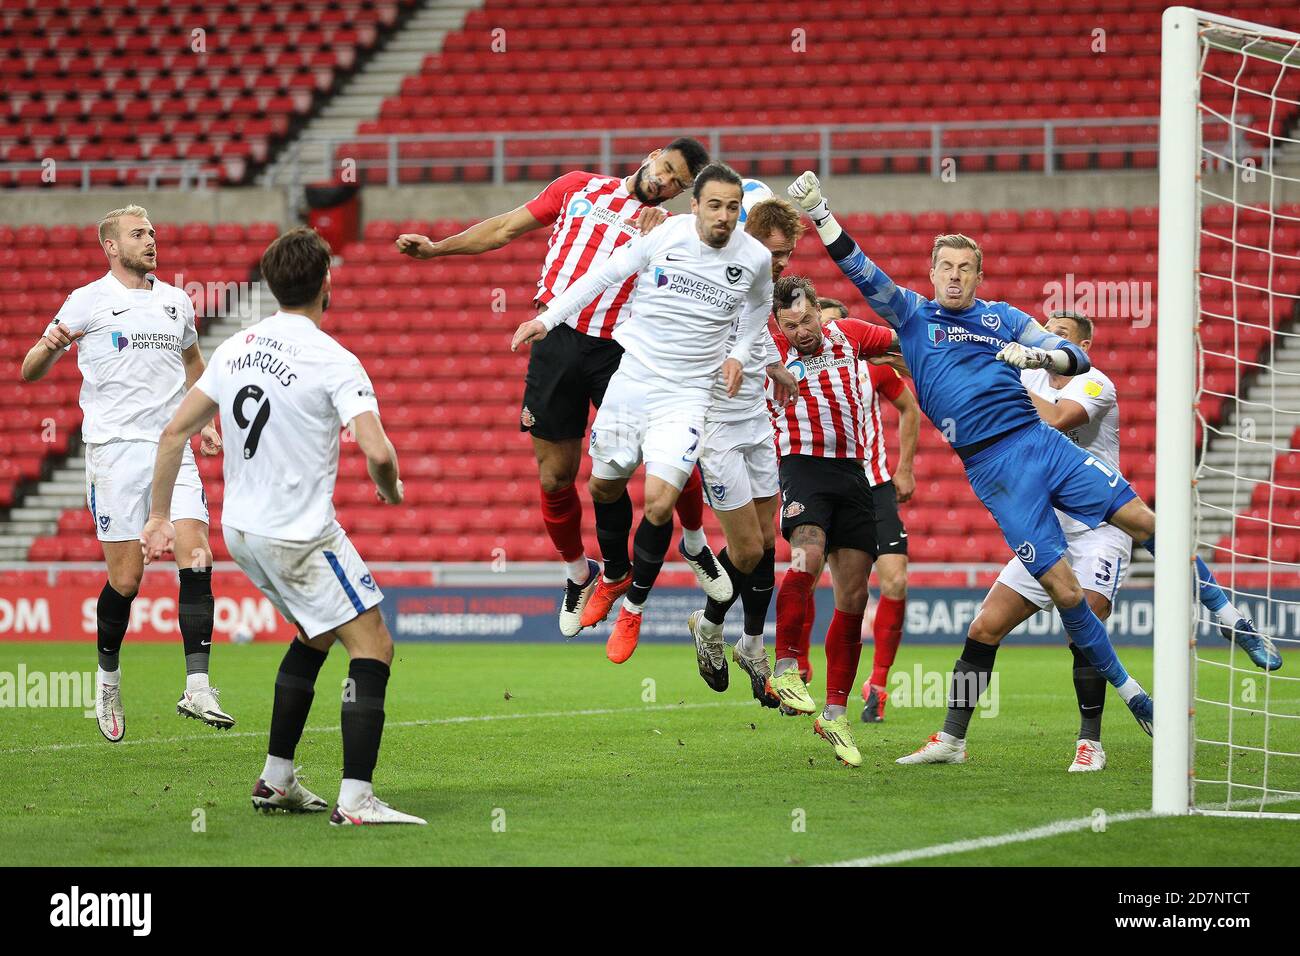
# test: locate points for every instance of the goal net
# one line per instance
(1227, 737)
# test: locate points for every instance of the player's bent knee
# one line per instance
(983, 631)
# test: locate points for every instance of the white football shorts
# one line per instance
(119, 483)
(1099, 558)
(650, 419)
(317, 585)
(739, 462)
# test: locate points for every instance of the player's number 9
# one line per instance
(258, 421)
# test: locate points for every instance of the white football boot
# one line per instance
(935, 750)
(1088, 757)
(575, 600)
(205, 704)
(370, 810)
(295, 798)
(109, 713)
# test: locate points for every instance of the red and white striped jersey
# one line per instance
(877, 380)
(826, 419)
(588, 211)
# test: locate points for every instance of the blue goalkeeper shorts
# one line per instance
(1023, 477)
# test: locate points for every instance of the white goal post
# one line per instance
(1200, 52)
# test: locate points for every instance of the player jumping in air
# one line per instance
(965, 356)
(741, 482)
(284, 388)
(138, 352)
(888, 491)
(695, 277)
(591, 216)
(828, 513)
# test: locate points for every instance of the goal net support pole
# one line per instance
(1180, 153)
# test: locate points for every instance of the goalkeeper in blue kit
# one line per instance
(965, 357)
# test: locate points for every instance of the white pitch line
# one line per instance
(433, 722)
(982, 843)
(1037, 833)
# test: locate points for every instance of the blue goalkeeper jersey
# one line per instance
(963, 390)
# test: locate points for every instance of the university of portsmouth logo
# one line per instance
(1026, 553)
(792, 510)
(938, 334)
(661, 278)
(120, 341)
(990, 320)
(734, 273)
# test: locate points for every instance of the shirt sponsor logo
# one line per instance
(956, 334)
(579, 207)
(697, 289)
(267, 342)
(120, 341)
(796, 368)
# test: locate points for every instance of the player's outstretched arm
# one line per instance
(195, 411)
(381, 457)
(1035, 347)
(484, 236)
(629, 259)
(891, 303)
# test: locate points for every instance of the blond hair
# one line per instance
(956, 241)
(108, 225)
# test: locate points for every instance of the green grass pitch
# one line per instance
(590, 763)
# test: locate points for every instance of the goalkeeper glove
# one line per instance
(807, 192)
(1020, 356)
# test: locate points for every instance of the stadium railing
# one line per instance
(1045, 140)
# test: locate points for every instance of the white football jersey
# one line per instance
(687, 299)
(1099, 435)
(751, 400)
(132, 375)
(285, 389)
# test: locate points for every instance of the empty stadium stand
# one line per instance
(221, 85)
(575, 65)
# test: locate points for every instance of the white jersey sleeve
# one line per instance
(753, 320)
(75, 313)
(1095, 392)
(628, 260)
(350, 390)
(191, 333)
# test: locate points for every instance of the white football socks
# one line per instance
(195, 682)
(576, 570)
(750, 646)
(1228, 615)
(783, 665)
(278, 771)
(1129, 689)
(695, 541)
(108, 677)
(352, 792)
(833, 711)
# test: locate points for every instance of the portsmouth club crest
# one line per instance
(734, 273)
(171, 311)
(103, 522)
(1026, 553)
